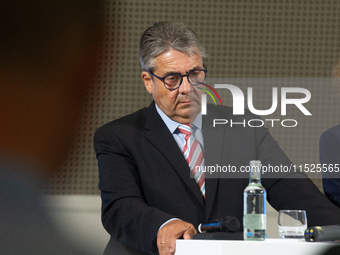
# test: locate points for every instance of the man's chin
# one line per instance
(189, 115)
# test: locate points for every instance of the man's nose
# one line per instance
(186, 86)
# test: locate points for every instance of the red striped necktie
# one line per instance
(193, 154)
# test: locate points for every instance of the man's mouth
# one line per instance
(185, 102)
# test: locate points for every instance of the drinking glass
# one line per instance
(292, 224)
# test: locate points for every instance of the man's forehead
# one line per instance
(177, 62)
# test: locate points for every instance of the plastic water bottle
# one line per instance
(254, 206)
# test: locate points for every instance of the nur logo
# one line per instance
(204, 97)
(238, 99)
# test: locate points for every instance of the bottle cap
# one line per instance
(255, 163)
(255, 166)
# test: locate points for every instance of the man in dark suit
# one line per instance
(329, 156)
(149, 197)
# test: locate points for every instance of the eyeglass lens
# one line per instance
(195, 78)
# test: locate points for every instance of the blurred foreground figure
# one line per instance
(48, 52)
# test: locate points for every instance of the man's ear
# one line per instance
(148, 82)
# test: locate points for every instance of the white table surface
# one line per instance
(267, 247)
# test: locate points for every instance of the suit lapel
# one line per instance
(158, 134)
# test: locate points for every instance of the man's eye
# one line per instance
(172, 78)
(194, 74)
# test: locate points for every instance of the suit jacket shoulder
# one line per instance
(135, 120)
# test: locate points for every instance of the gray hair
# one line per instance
(164, 36)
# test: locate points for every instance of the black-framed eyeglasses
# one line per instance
(174, 80)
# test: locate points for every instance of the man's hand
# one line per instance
(170, 232)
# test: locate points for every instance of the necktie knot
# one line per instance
(185, 129)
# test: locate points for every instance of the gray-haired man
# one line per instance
(149, 198)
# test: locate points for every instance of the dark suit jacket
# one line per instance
(329, 147)
(145, 180)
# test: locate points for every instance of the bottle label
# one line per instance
(255, 221)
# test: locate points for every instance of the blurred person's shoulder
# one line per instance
(330, 137)
(26, 224)
(332, 132)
